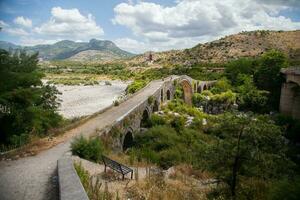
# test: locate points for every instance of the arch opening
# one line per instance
(199, 89)
(155, 106)
(162, 95)
(168, 95)
(128, 141)
(145, 119)
(205, 87)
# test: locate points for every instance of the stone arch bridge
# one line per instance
(32, 177)
(126, 126)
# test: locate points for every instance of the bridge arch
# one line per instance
(199, 89)
(155, 106)
(187, 91)
(162, 95)
(128, 140)
(205, 87)
(145, 118)
(168, 95)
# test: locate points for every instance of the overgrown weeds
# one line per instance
(92, 186)
(90, 149)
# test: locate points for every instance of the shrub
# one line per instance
(92, 188)
(249, 97)
(285, 189)
(135, 86)
(240, 66)
(156, 120)
(291, 127)
(220, 86)
(178, 123)
(199, 99)
(169, 157)
(90, 149)
(225, 97)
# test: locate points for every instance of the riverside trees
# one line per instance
(28, 107)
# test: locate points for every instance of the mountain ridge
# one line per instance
(68, 49)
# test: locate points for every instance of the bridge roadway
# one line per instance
(35, 177)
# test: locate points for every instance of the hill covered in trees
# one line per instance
(245, 44)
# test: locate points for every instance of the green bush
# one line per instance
(90, 149)
(241, 66)
(285, 189)
(135, 86)
(199, 99)
(249, 97)
(222, 85)
(291, 127)
(178, 123)
(227, 97)
(156, 120)
(166, 147)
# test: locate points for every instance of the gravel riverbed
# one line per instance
(80, 100)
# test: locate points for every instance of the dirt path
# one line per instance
(36, 177)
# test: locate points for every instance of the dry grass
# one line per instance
(157, 187)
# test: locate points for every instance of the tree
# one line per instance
(30, 106)
(222, 85)
(267, 77)
(248, 148)
(241, 66)
(249, 97)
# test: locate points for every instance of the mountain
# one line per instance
(79, 51)
(8, 46)
(245, 44)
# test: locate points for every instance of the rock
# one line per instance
(176, 114)
(169, 172)
(161, 112)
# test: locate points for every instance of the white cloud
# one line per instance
(16, 31)
(131, 45)
(3, 24)
(137, 46)
(192, 21)
(70, 24)
(22, 21)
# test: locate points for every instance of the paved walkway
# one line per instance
(35, 177)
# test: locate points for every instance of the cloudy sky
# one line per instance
(139, 26)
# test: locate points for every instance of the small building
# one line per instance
(290, 93)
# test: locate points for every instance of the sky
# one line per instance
(141, 25)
